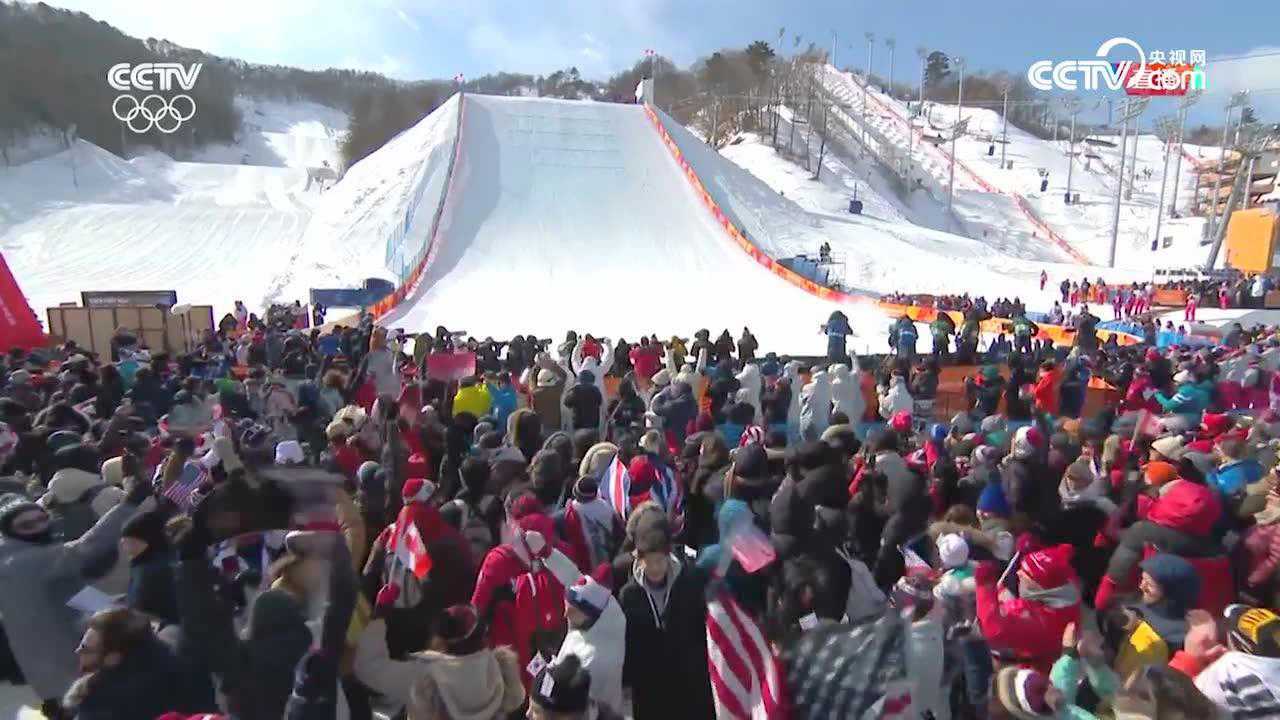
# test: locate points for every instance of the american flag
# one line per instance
(194, 475)
(746, 680)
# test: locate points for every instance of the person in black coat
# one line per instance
(666, 642)
(151, 584)
(127, 671)
(677, 408)
(584, 401)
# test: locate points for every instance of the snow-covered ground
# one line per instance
(275, 133)
(216, 230)
(553, 204)
(986, 194)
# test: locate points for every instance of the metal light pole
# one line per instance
(1004, 131)
(1237, 100)
(1133, 163)
(871, 46)
(833, 50)
(889, 42)
(923, 54)
(959, 125)
(1166, 129)
(1073, 106)
(1187, 101)
(866, 86)
(1132, 109)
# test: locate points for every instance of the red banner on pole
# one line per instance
(451, 367)
(18, 325)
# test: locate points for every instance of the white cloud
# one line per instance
(1235, 73)
(410, 22)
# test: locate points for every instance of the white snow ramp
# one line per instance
(566, 214)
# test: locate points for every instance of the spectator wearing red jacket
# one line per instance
(522, 600)
(1178, 518)
(646, 358)
(1028, 629)
(1045, 390)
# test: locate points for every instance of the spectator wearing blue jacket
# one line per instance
(1236, 469)
(503, 394)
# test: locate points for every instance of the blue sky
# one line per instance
(412, 39)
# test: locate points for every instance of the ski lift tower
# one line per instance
(1132, 109)
(1253, 141)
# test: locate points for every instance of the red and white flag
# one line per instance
(616, 487)
(746, 678)
(411, 551)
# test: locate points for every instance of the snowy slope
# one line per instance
(215, 233)
(559, 204)
(1085, 226)
(294, 134)
(348, 235)
(217, 230)
(573, 214)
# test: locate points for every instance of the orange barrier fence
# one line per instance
(1169, 297)
(1058, 334)
(738, 236)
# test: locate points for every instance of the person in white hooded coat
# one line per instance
(598, 368)
(815, 412)
(846, 393)
(791, 375)
(895, 398)
(597, 631)
(751, 384)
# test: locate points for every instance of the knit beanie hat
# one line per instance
(417, 490)
(1158, 473)
(1049, 567)
(1022, 693)
(588, 596)
(953, 550)
(586, 489)
(11, 506)
(1215, 424)
(992, 500)
(457, 624)
(562, 687)
(901, 422)
(1169, 447)
(1252, 630)
(289, 452)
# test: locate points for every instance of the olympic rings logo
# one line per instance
(153, 112)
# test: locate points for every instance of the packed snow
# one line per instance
(1086, 226)
(553, 204)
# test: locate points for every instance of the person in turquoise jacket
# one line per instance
(503, 394)
(1191, 399)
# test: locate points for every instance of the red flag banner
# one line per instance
(451, 367)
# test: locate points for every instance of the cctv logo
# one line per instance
(153, 112)
(1135, 77)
